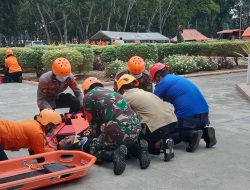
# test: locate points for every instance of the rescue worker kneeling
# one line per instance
(53, 83)
(114, 125)
(13, 71)
(136, 67)
(30, 134)
(158, 117)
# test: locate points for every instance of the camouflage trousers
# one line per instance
(112, 136)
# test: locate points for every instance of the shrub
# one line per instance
(114, 67)
(148, 63)
(205, 64)
(146, 51)
(32, 60)
(88, 57)
(109, 54)
(74, 57)
(99, 49)
(217, 48)
(180, 64)
(98, 64)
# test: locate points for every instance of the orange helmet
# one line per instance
(47, 116)
(9, 52)
(136, 65)
(61, 67)
(126, 79)
(87, 83)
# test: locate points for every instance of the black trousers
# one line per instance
(3, 155)
(13, 77)
(161, 133)
(68, 100)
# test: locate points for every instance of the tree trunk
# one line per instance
(130, 6)
(52, 19)
(43, 22)
(65, 29)
(89, 19)
(111, 13)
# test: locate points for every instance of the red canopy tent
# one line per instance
(191, 35)
(246, 34)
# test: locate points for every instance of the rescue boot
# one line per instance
(143, 155)
(118, 159)
(168, 144)
(193, 138)
(209, 136)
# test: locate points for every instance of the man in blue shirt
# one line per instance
(190, 105)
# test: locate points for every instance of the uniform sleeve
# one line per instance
(6, 63)
(87, 110)
(77, 91)
(37, 144)
(159, 90)
(42, 102)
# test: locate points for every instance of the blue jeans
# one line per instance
(197, 122)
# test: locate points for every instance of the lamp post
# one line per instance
(248, 71)
(240, 4)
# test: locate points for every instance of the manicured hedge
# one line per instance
(218, 48)
(74, 56)
(125, 52)
(88, 57)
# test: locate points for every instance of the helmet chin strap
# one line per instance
(138, 76)
(61, 79)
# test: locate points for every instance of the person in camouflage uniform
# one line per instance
(114, 125)
(136, 67)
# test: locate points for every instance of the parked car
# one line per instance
(33, 43)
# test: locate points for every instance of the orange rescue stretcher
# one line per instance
(44, 169)
(73, 124)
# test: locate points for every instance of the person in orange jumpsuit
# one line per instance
(13, 71)
(30, 134)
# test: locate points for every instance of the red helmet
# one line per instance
(157, 67)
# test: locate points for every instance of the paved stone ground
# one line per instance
(224, 167)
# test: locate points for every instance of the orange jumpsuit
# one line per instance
(15, 135)
(12, 64)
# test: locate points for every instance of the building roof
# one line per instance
(191, 35)
(129, 36)
(228, 31)
(246, 33)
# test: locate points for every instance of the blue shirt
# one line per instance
(183, 94)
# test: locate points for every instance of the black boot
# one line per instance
(117, 157)
(119, 160)
(143, 156)
(209, 136)
(168, 144)
(140, 151)
(193, 138)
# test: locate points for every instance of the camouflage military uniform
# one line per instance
(112, 120)
(145, 82)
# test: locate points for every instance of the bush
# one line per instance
(109, 54)
(74, 57)
(146, 51)
(180, 64)
(205, 64)
(148, 63)
(88, 57)
(99, 49)
(115, 67)
(217, 48)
